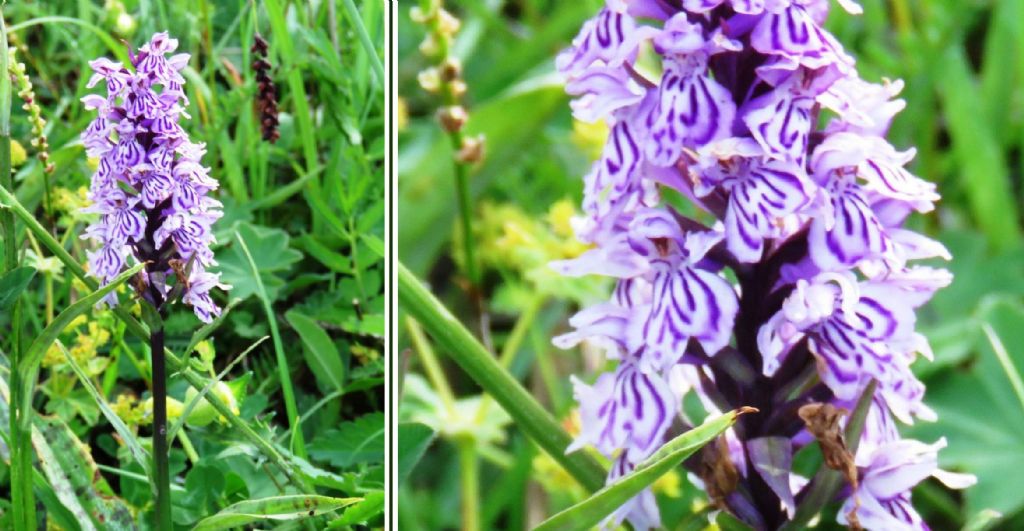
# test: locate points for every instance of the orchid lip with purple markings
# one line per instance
(756, 114)
(150, 187)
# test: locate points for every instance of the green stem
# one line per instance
(515, 339)
(9, 202)
(535, 421)
(465, 215)
(469, 472)
(23, 505)
(364, 38)
(186, 444)
(282, 362)
(162, 474)
(431, 365)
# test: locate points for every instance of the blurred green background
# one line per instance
(963, 64)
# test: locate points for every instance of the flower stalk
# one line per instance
(22, 495)
(445, 79)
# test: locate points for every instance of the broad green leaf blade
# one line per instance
(134, 447)
(362, 512)
(271, 254)
(57, 512)
(355, 442)
(13, 283)
(277, 508)
(413, 440)
(72, 472)
(980, 412)
(321, 353)
(591, 511)
(34, 355)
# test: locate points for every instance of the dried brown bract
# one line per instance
(822, 421)
(718, 471)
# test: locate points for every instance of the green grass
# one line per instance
(264, 442)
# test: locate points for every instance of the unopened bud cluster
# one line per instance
(444, 77)
(35, 113)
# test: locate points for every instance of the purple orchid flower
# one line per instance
(808, 218)
(150, 187)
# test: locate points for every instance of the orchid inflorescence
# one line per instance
(820, 305)
(150, 187)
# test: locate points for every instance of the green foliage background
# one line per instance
(963, 64)
(310, 208)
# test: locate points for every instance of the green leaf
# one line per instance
(413, 441)
(134, 447)
(591, 511)
(34, 355)
(356, 442)
(533, 419)
(321, 353)
(980, 413)
(13, 283)
(270, 252)
(985, 177)
(332, 259)
(72, 472)
(374, 243)
(362, 512)
(277, 508)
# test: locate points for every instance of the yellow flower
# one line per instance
(18, 154)
(589, 137)
(670, 484)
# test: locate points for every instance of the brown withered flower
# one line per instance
(266, 92)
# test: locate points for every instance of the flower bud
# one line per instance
(452, 118)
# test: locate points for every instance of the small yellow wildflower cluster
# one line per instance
(128, 409)
(512, 241)
(88, 341)
(365, 355)
(68, 204)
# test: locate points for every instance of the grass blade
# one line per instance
(604, 502)
(134, 447)
(282, 362)
(1004, 360)
(29, 365)
(279, 508)
(535, 421)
